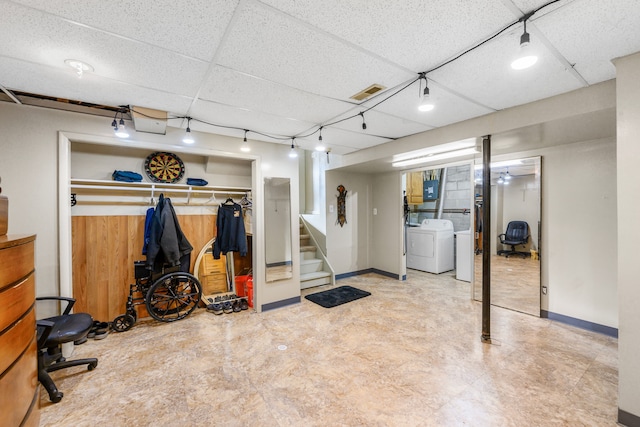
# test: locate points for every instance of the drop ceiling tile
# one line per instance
(485, 75)
(213, 113)
(228, 87)
(378, 124)
(341, 141)
(416, 34)
(527, 6)
(448, 107)
(273, 46)
(589, 33)
(111, 57)
(192, 28)
(34, 78)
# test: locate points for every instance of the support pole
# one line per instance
(486, 239)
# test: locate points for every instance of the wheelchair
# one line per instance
(168, 295)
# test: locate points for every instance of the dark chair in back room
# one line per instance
(517, 233)
(52, 333)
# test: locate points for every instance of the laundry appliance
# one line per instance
(430, 246)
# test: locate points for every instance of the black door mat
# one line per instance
(337, 296)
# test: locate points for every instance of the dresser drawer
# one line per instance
(19, 386)
(16, 300)
(15, 339)
(17, 262)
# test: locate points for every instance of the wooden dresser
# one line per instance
(19, 388)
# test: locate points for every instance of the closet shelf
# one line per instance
(94, 187)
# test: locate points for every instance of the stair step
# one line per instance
(304, 236)
(318, 278)
(307, 248)
(311, 265)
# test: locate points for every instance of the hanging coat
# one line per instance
(230, 235)
(167, 243)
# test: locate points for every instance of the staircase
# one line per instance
(312, 269)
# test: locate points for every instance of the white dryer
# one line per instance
(430, 246)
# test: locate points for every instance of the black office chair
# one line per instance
(517, 233)
(52, 333)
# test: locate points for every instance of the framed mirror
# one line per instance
(277, 228)
(515, 234)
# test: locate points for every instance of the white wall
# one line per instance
(29, 170)
(348, 246)
(386, 242)
(628, 158)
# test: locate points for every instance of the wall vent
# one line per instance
(371, 90)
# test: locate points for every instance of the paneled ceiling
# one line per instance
(286, 67)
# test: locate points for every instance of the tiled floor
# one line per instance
(408, 355)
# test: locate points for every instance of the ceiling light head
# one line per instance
(188, 138)
(120, 130)
(507, 176)
(293, 154)
(426, 104)
(79, 66)
(364, 125)
(245, 145)
(526, 58)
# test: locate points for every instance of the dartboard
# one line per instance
(164, 167)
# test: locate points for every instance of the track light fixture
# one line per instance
(364, 125)
(320, 146)
(526, 58)
(293, 154)
(245, 145)
(507, 176)
(188, 138)
(500, 179)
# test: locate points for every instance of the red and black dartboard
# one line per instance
(164, 167)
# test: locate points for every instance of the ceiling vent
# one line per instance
(371, 90)
(148, 120)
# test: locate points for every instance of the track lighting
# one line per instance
(526, 58)
(425, 99)
(188, 138)
(320, 146)
(364, 125)
(501, 179)
(507, 176)
(245, 145)
(293, 154)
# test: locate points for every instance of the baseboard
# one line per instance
(368, 270)
(579, 323)
(280, 304)
(627, 419)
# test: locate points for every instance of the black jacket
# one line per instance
(230, 235)
(167, 243)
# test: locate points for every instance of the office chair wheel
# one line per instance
(173, 296)
(122, 323)
(56, 396)
(91, 366)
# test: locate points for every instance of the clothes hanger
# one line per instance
(229, 202)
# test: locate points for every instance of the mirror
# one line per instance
(515, 263)
(277, 226)
(213, 274)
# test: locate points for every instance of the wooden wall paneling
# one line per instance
(79, 262)
(118, 257)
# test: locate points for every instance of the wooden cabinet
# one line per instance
(18, 349)
(415, 182)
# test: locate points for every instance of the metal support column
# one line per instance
(486, 239)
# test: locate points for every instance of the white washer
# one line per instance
(430, 246)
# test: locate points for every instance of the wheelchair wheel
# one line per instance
(123, 323)
(173, 296)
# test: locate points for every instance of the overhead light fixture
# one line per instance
(526, 58)
(188, 138)
(79, 66)
(500, 164)
(320, 146)
(119, 128)
(364, 125)
(436, 149)
(245, 145)
(293, 154)
(507, 176)
(501, 179)
(426, 104)
(435, 157)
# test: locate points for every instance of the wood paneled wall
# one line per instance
(104, 249)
